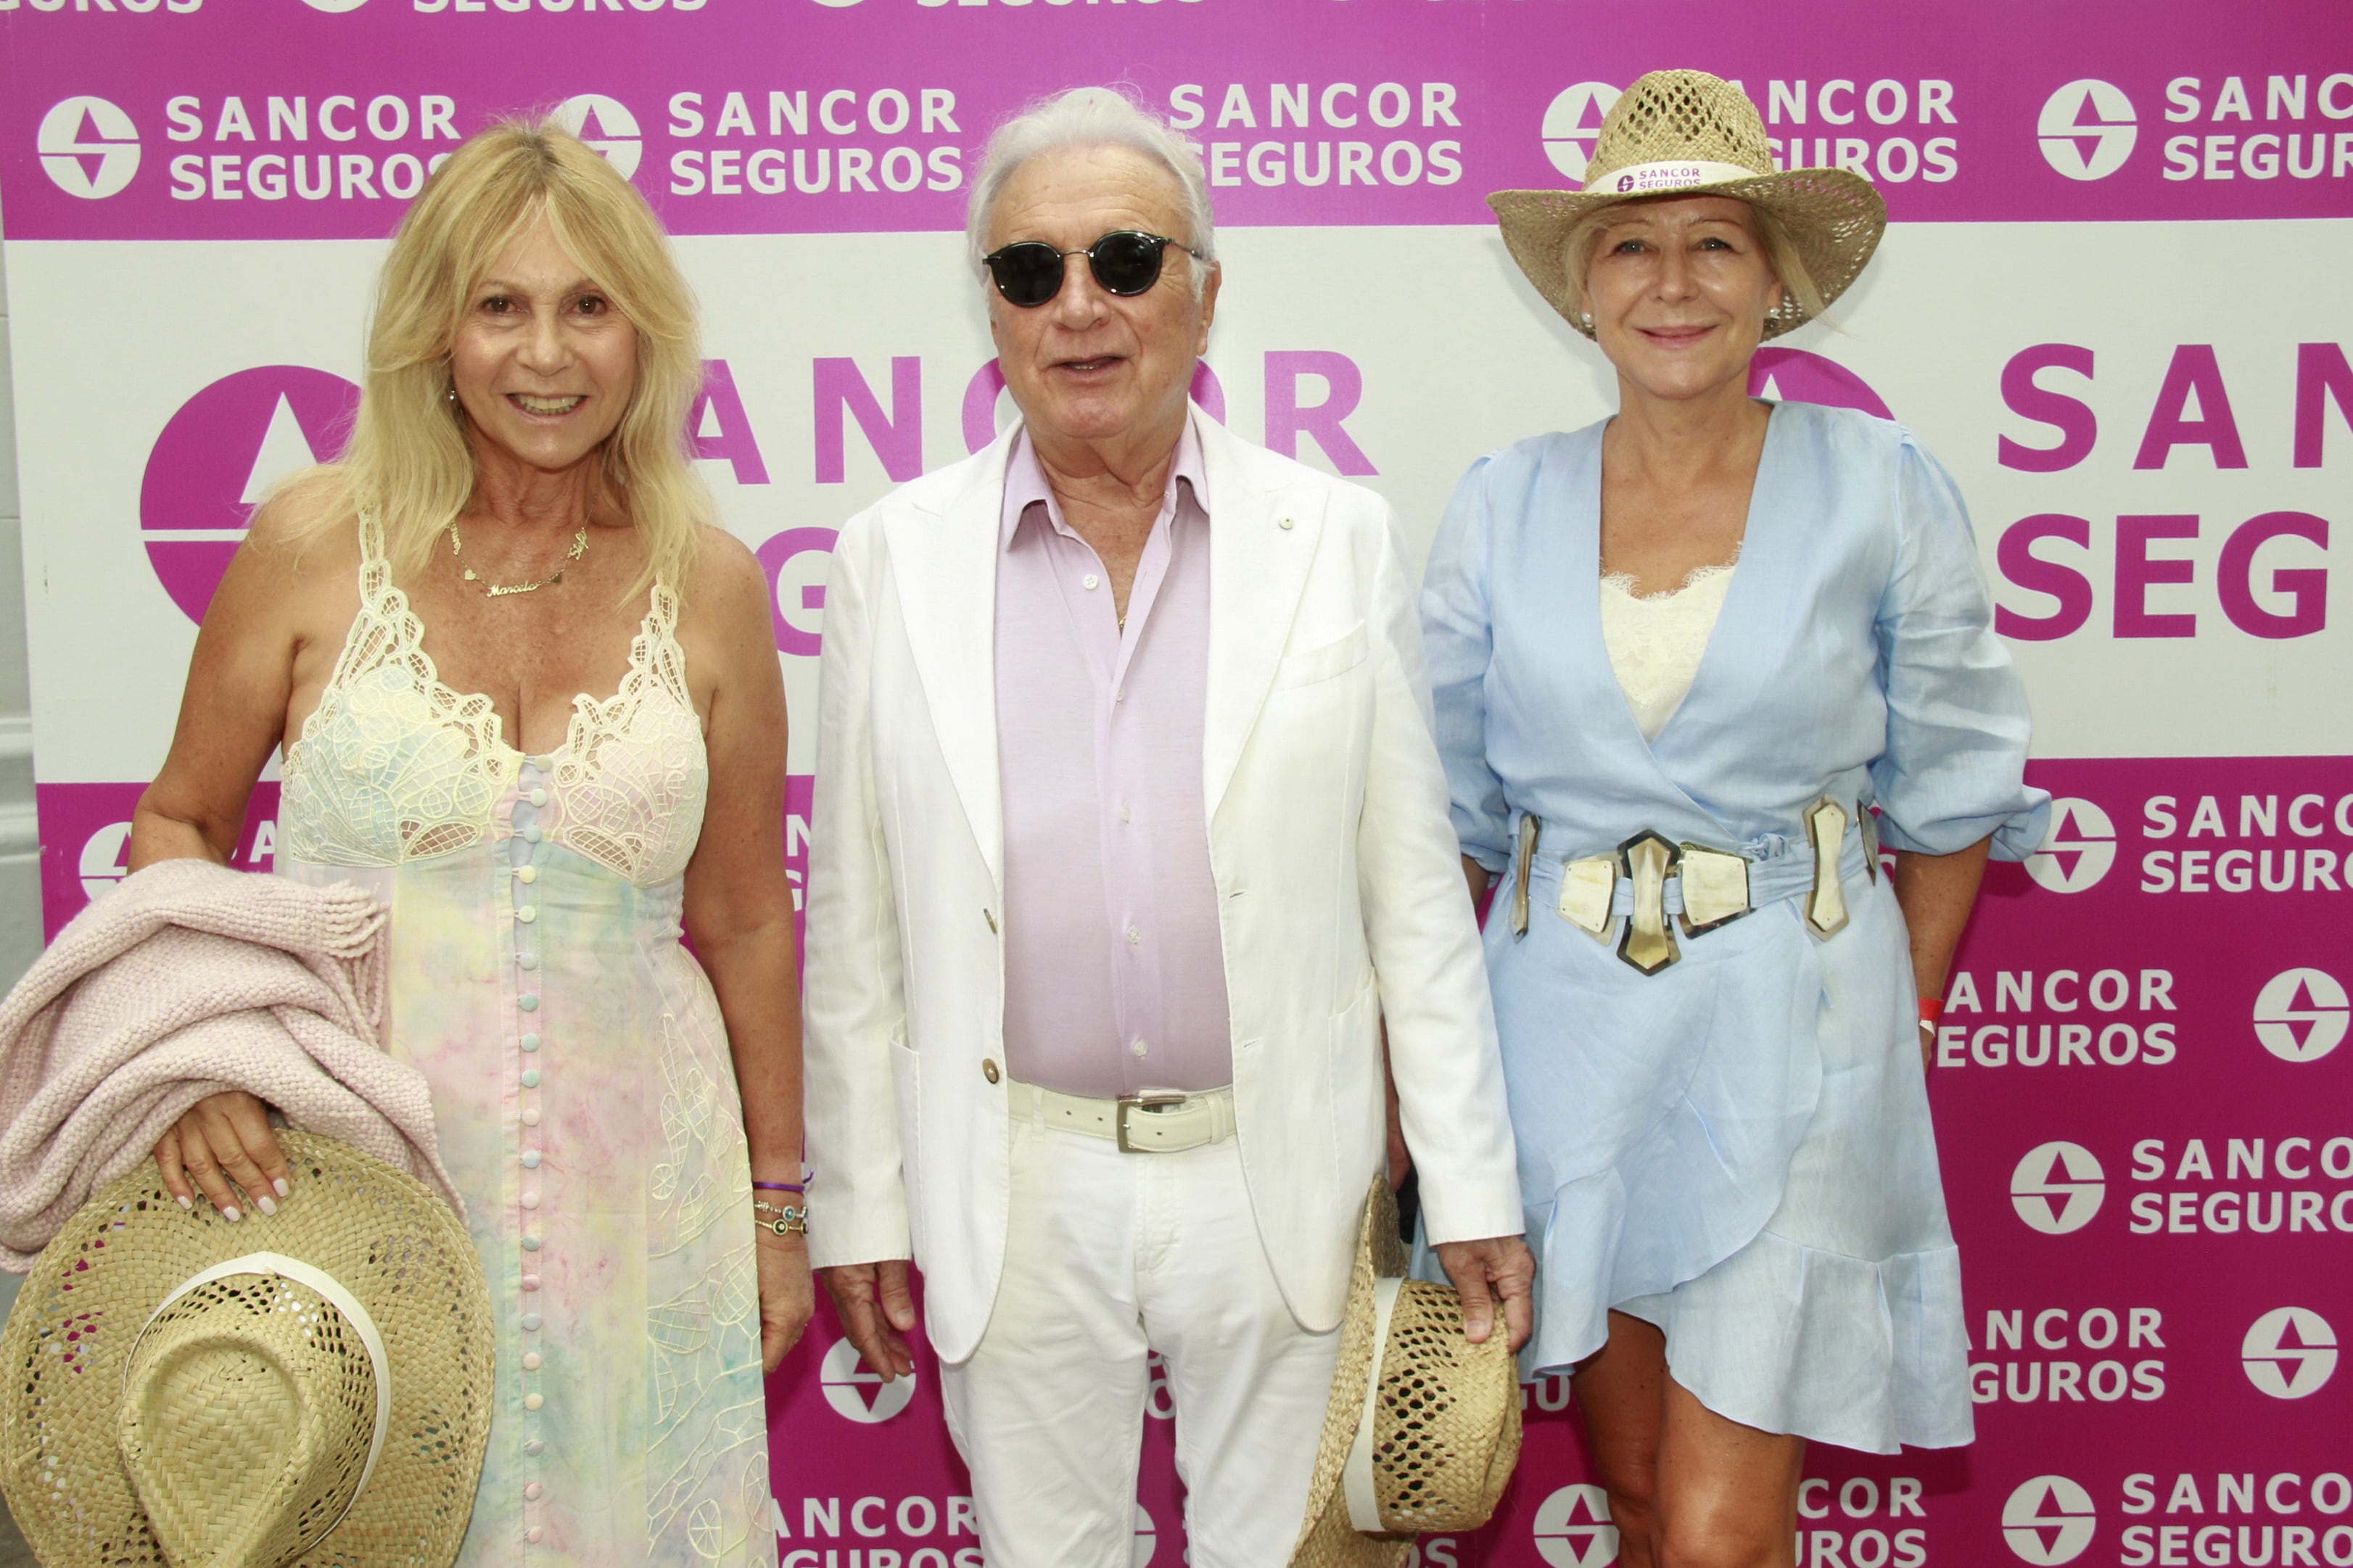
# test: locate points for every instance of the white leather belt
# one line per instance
(1149, 1123)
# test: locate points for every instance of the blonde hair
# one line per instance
(1780, 254)
(408, 462)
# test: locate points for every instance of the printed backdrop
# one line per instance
(2113, 301)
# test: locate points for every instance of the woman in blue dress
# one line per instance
(1691, 666)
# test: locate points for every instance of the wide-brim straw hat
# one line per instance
(1423, 1426)
(315, 1384)
(1686, 133)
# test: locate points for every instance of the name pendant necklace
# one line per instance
(501, 590)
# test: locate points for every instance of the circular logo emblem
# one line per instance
(2289, 1352)
(2080, 847)
(1147, 1535)
(606, 124)
(89, 147)
(862, 1395)
(1573, 1528)
(2049, 1521)
(106, 859)
(337, 7)
(220, 454)
(2057, 1188)
(2300, 1015)
(2087, 129)
(1793, 375)
(1573, 122)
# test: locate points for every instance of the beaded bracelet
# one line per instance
(789, 1220)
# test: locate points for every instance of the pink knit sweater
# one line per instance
(187, 980)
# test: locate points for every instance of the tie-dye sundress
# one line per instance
(581, 1087)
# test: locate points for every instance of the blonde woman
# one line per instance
(529, 696)
(1681, 657)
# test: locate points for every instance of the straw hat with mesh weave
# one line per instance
(1684, 133)
(311, 1386)
(1423, 1426)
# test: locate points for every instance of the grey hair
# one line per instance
(1094, 117)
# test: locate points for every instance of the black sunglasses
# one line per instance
(1126, 262)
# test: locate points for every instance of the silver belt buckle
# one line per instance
(1826, 822)
(1715, 887)
(1129, 1104)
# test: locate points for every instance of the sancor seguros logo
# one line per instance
(2049, 1521)
(219, 454)
(1573, 1528)
(2289, 1352)
(89, 147)
(2079, 849)
(2087, 129)
(2300, 1015)
(847, 1383)
(2057, 1188)
(606, 124)
(1573, 122)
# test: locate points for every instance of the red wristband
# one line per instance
(1931, 1009)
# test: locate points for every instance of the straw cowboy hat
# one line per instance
(187, 1391)
(1423, 1426)
(1684, 133)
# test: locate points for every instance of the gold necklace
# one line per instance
(500, 590)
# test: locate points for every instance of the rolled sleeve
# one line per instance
(1458, 638)
(1958, 724)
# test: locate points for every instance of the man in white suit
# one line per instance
(1129, 834)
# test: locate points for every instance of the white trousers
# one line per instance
(1110, 1255)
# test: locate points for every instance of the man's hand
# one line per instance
(876, 1312)
(1500, 1266)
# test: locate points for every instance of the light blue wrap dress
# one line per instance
(1737, 1148)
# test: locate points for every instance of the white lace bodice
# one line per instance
(1656, 642)
(393, 766)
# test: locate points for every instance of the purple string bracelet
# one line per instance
(779, 1187)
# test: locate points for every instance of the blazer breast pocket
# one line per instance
(1325, 660)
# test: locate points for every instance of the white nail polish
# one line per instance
(264, 1206)
(280, 1184)
(184, 1202)
(231, 1215)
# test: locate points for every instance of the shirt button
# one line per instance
(531, 834)
(529, 1200)
(531, 1117)
(531, 1078)
(534, 1447)
(1282, 522)
(533, 1401)
(988, 1069)
(537, 797)
(526, 873)
(1139, 1047)
(531, 1042)
(1133, 936)
(527, 913)
(531, 1363)
(531, 1326)
(531, 1281)
(528, 1001)
(1091, 581)
(535, 1534)
(530, 1241)
(1123, 813)
(527, 959)
(531, 1159)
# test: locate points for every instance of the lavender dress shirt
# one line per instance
(1114, 970)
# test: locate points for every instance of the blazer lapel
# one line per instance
(1262, 543)
(945, 567)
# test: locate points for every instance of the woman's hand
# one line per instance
(787, 1296)
(224, 1138)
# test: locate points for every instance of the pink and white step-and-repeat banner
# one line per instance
(2113, 300)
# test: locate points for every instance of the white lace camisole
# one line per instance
(1655, 641)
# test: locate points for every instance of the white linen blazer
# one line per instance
(1341, 896)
